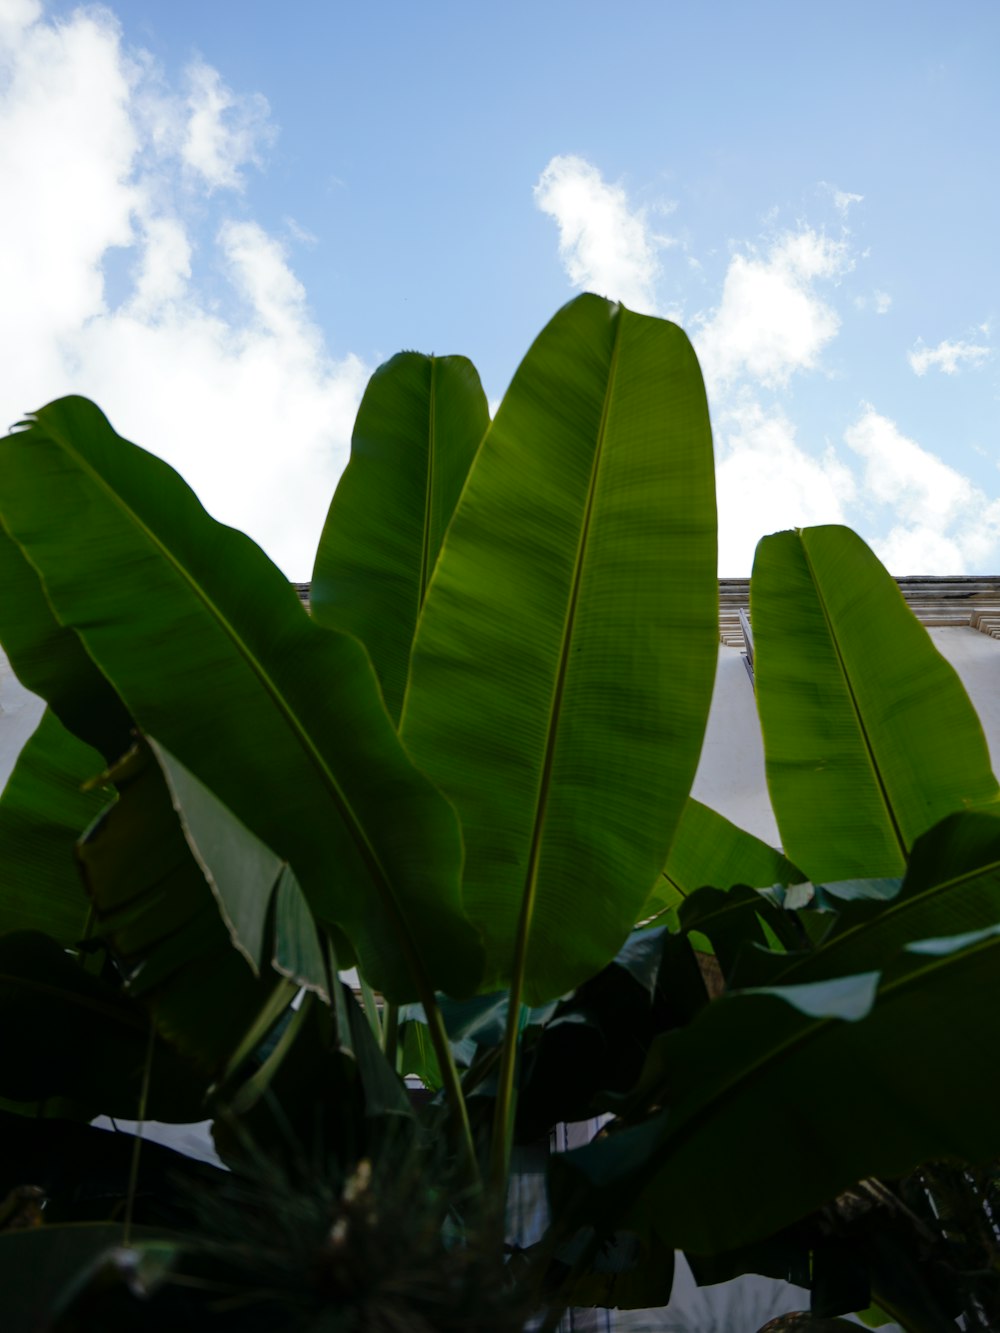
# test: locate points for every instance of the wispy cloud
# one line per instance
(842, 199)
(948, 357)
(224, 132)
(938, 521)
(98, 153)
(778, 312)
(879, 301)
(605, 244)
(771, 320)
(766, 481)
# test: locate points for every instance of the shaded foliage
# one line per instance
(469, 774)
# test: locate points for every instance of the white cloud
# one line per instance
(920, 515)
(164, 268)
(17, 14)
(879, 301)
(99, 154)
(776, 317)
(224, 132)
(767, 482)
(842, 199)
(939, 522)
(260, 272)
(301, 234)
(948, 357)
(899, 471)
(770, 321)
(605, 245)
(66, 148)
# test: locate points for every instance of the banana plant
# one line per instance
(594, 493)
(566, 749)
(468, 773)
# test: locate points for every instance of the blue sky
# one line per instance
(219, 217)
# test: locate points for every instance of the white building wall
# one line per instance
(976, 658)
(730, 776)
(20, 713)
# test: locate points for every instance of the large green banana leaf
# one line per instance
(563, 664)
(208, 646)
(49, 659)
(709, 849)
(155, 909)
(416, 434)
(255, 891)
(43, 811)
(763, 1118)
(869, 737)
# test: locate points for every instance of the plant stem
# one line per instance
(506, 1103)
(452, 1087)
(450, 1083)
(133, 1172)
(390, 1035)
(371, 1008)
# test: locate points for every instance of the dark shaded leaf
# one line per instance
(212, 652)
(759, 1071)
(49, 659)
(70, 1034)
(952, 885)
(44, 810)
(156, 912)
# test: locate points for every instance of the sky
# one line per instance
(218, 218)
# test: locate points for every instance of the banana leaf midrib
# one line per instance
(425, 548)
(358, 834)
(433, 564)
(529, 890)
(859, 717)
(685, 894)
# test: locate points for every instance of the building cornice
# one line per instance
(963, 601)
